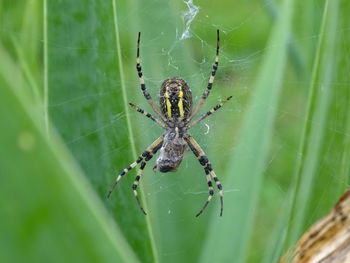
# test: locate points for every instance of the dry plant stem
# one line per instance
(328, 240)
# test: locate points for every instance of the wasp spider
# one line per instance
(176, 117)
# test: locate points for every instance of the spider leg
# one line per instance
(148, 115)
(136, 183)
(139, 174)
(219, 186)
(203, 160)
(142, 81)
(205, 115)
(211, 193)
(145, 156)
(211, 79)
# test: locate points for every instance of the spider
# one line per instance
(176, 117)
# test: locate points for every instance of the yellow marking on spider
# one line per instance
(181, 108)
(181, 94)
(168, 104)
(180, 104)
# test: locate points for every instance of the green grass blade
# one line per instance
(341, 103)
(229, 236)
(128, 120)
(87, 105)
(294, 52)
(310, 172)
(48, 207)
(275, 240)
(330, 165)
(45, 69)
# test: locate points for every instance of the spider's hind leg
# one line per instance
(211, 193)
(203, 160)
(144, 157)
(219, 186)
(122, 173)
(136, 183)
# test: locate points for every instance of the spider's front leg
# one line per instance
(143, 158)
(203, 160)
(142, 80)
(208, 113)
(148, 115)
(211, 79)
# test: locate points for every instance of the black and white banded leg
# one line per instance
(211, 193)
(144, 157)
(136, 183)
(219, 186)
(142, 80)
(211, 79)
(148, 115)
(208, 113)
(203, 160)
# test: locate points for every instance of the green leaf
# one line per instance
(87, 104)
(69, 67)
(50, 212)
(319, 143)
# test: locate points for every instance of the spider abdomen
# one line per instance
(175, 99)
(171, 152)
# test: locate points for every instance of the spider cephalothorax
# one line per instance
(175, 116)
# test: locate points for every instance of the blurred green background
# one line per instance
(281, 146)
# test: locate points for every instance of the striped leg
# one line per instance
(203, 160)
(148, 115)
(136, 183)
(142, 81)
(214, 109)
(145, 156)
(211, 79)
(211, 193)
(219, 186)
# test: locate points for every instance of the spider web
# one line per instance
(229, 63)
(163, 56)
(235, 76)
